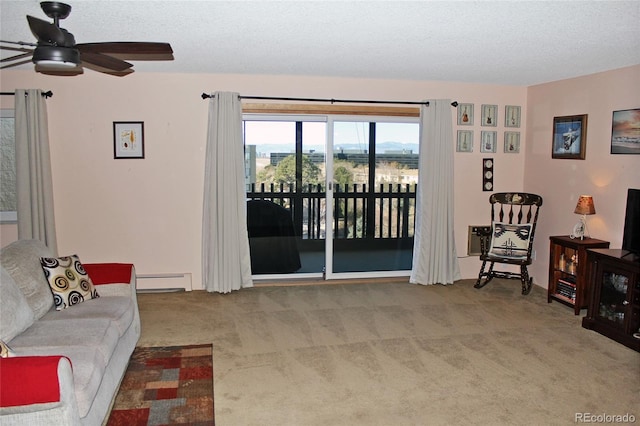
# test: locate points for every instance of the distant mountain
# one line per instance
(381, 148)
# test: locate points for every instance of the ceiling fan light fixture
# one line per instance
(56, 57)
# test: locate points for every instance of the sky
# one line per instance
(314, 133)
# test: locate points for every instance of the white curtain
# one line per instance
(34, 188)
(226, 261)
(434, 252)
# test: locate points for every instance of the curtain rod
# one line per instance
(46, 94)
(272, 98)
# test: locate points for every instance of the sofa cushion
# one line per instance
(15, 313)
(21, 259)
(117, 309)
(69, 282)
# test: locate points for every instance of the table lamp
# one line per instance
(584, 207)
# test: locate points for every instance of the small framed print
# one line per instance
(512, 142)
(569, 137)
(128, 139)
(512, 116)
(488, 141)
(465, 141)
(465, 114)
(490, 115)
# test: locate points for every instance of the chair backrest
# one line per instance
(516, 208)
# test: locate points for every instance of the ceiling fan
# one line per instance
(56, 51)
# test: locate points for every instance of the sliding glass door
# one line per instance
(329, 196)
(285, 184)
(375, 174)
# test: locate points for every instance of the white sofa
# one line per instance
(65, 366)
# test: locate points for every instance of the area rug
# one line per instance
(170, 385)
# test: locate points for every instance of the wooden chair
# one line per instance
(509, 239)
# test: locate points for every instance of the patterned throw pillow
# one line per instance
(5, 350)
(68, 280)
(510, 240)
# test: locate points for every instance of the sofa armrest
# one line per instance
(37, 390)
(113, 279)
(109, 273)
(30, 380)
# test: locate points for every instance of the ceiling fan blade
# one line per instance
(15, 49)
(97, 68)
(15, 64)
(46, 31)
(104, 61)
(126, 47)
(20, 56)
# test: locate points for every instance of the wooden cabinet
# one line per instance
(614, 307)
(568, 269)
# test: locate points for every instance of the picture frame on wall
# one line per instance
(128, 139)
(569, 137)
(465, 141)
(488, 141)
(512, 116)
(490, 115)
(625, 131)
(512, 142)
(465, 114)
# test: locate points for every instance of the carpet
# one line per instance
(171, 385)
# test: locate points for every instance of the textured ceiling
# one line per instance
(502, 42)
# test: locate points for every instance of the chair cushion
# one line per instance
(68, 280)
(510, 240)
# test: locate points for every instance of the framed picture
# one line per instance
(625, 132)
(465, 114)
(465, 141)
(490, 115)
(128, 139)
(511, 116)
(569, 137)
(488, 142)
(512, 142)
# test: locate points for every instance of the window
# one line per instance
(8, 203)
(369, 205)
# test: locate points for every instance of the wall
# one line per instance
(149, 211)
(604, 176)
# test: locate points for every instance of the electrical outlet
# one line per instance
(533, 254)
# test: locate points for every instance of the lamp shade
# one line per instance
(585, 205)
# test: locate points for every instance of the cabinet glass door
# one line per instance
(613, 297)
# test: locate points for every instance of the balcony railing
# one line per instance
(388, 213)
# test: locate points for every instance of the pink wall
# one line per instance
(604, 176)
(149, 211)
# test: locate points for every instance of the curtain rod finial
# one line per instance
(454, 103)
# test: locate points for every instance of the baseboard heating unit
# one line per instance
(163, 283)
